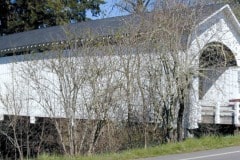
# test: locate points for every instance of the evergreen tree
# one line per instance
(23, 15)
(3, 16)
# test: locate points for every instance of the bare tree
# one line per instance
(135, 83)
(135, 6)
(14, 98)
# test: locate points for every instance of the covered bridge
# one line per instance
(214, 42)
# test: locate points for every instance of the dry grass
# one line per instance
(189, 145)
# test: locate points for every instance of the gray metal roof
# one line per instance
(83, 30)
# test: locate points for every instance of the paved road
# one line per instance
(231, 153)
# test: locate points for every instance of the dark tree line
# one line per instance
(23, 15)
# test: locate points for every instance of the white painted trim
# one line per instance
(213, 14)
(236, 114)
(217, 113)
(234, 18)
(226, 9)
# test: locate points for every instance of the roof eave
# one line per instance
(228, 11)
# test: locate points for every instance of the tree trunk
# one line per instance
(180, 121)
(95, 136)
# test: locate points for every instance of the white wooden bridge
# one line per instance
(226, 115)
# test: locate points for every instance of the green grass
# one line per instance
(189, 145)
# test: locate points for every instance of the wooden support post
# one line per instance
(236, 131)
(1, 117)
(236, 114)
(217, 113)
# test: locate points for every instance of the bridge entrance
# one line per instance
(219, 86)
(215, 59)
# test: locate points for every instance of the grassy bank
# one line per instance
(189, 145)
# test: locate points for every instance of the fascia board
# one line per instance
(227, 11)
(233, 19)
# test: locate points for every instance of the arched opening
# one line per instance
(215, 59)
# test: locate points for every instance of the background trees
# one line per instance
(134, 6)
(23, 15)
